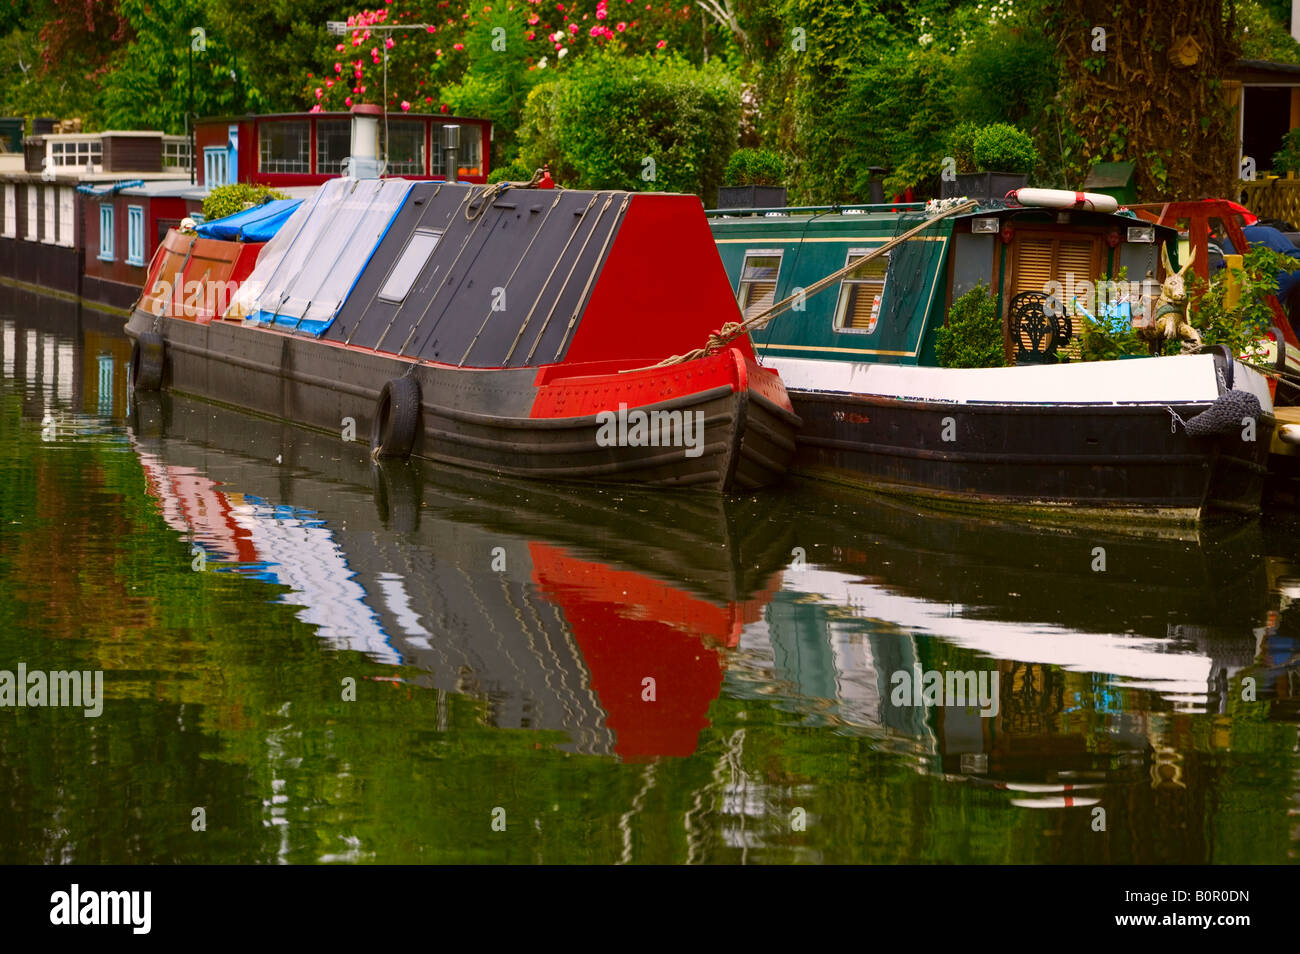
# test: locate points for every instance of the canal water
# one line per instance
(307, 659)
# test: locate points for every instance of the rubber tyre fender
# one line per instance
(397, 419)
(148, 358)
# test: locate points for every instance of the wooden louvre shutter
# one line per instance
(758, 283)
(1033, 264)
(861, 293)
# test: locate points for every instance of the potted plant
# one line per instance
(990, 161)
(1286, 161)
(753, 181)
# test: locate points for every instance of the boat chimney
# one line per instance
(451, 150)
(364, 162)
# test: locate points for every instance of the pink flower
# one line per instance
(573, 28)
(339, 48)
(315, 109)
(621, 27)
(437, 52)
(348, 101)
(338, 67)
(595, 31)
(374, 52)
(458, 46)
(529, 36)
(428, 99)
(661, 44)
(352, 21)
(363, 89)
(319, 92)
(432, 29)
(329, 83)
(442, 108)
(405, 106)
(532, 21)
(560, 7)
(388, 44)
(601, 14)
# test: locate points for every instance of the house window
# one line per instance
(134, 235)
(409, 264)
(106, 233)
(757, 290)
(176, 154)
(11, 212)
(406, 148)
(333, 145)
(861, 292)
(67, 216)
(76, 153)
(284, 146)
(216, 166)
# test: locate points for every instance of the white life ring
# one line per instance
(1064, 199)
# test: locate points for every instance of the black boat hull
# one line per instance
(470, 417)
(1109, 462)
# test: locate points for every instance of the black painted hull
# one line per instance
(474, 418)
(1111, 463)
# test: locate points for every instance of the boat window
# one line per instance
(406, 148)
(333, 145)
(285, 146)
(861, 292)
(409, 264)
(757, 291)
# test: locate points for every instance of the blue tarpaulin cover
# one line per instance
(258, 224)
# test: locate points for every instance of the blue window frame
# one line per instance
(135, 235)
(216, 166)
(106, 233)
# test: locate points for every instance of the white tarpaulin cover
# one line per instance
(306, 271)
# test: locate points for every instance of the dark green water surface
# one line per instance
(342, 664)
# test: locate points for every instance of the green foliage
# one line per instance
(972, 336)
(961, 146)
(647, 123)
(1264, 32)
(1287, 159)
(1002, 147)
(229, 199)
(1240, 327)
(755, 167)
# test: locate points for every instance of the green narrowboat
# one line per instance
(1161, 438)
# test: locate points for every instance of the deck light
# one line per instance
(1141, 233)
(983, 226)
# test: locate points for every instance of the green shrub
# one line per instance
(515, 171)
(649, 123)
(972, 336)
(236, 197)
(755, 167)
(1287, 159)
(1004, 148)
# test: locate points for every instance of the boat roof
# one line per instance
(522, 277)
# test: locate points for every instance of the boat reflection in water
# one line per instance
(554, 606)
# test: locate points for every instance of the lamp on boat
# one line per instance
(450, 148)
(982, 226)
(1142, 233)
(363, 163)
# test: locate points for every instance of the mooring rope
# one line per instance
(734, 329)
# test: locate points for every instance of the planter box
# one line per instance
(983, 185)
(751, 197)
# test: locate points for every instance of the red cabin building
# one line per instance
(307, 149)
